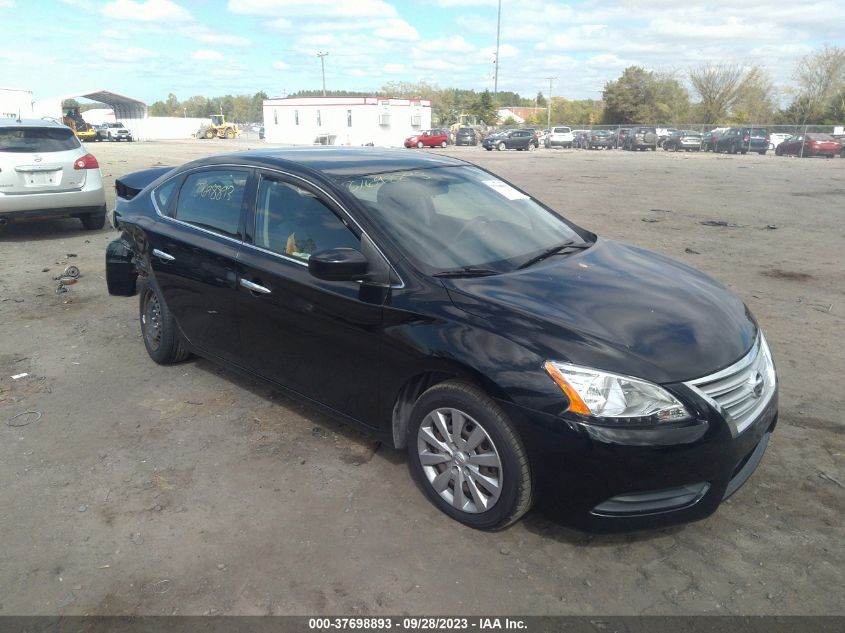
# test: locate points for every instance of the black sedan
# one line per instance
(511, 139)
(599, 138)
(513, 353)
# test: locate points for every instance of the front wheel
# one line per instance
(420, 145)
(158, 328)
(468, 458)
(443, 144)
(501, 147)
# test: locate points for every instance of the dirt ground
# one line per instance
(188, 490)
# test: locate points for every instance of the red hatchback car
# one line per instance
(429, 138)
(809, 145)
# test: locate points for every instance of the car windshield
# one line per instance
(459, 217)
(36, 139)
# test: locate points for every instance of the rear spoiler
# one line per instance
(130, 185)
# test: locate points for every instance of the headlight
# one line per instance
(614, 398)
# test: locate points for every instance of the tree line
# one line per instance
(706, 94)
(730, 94)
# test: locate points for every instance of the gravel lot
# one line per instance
(151, 490)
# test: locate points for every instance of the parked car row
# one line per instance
(732, 140)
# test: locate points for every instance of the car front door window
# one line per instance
(294, 222)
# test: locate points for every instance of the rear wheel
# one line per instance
(468, 458)
(420, 145)
(93, 221)
(443, 144)
(158, 328)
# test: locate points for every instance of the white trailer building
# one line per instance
(15, 102)
(382, 121)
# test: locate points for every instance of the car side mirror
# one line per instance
(338, 264)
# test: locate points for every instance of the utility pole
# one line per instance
(549, 102)
(323, 70)
(496, 60)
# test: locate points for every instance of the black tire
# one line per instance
(164, 344)
(93, 221)
(501, 146)
(733, 149)
(443, 144)
(516, 493)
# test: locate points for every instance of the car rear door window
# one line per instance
(37, 139)
(211, 200)
(294, 222)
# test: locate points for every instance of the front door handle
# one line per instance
(162, 255)
(254, 287)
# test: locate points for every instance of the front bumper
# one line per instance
(603, 479)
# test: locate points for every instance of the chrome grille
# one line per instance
(741, 392)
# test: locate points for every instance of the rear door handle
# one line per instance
(162, 255)
(254, 287)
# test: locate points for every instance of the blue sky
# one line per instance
(149, 48)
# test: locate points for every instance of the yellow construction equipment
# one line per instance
(73, 119)
(219, 128)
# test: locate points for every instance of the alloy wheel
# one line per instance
(460, 460)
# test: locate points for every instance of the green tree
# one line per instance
(821, 78)
(540, 100)
(640, 96)
(485, 109)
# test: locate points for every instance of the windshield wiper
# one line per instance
(553, 251)
(468, 271)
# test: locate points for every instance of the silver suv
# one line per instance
(45, 172)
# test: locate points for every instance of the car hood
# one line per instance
(615, 307)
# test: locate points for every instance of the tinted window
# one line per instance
(212, 200)
(164, 195)
(293, 222)
(36, 139)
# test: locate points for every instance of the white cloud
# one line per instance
(394, 69)
(119, 54)
(203, 34)
(113, 34)
(396, 29)
(146, 11)
(314, 8)
(206, 55)
(7, 4)
(450, 44)
(280, 65)
(281, 23)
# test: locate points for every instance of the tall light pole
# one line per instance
(496, 61)
(549, 104)
(323, 70)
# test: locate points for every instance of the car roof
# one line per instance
(336, 161)
(9, 121)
